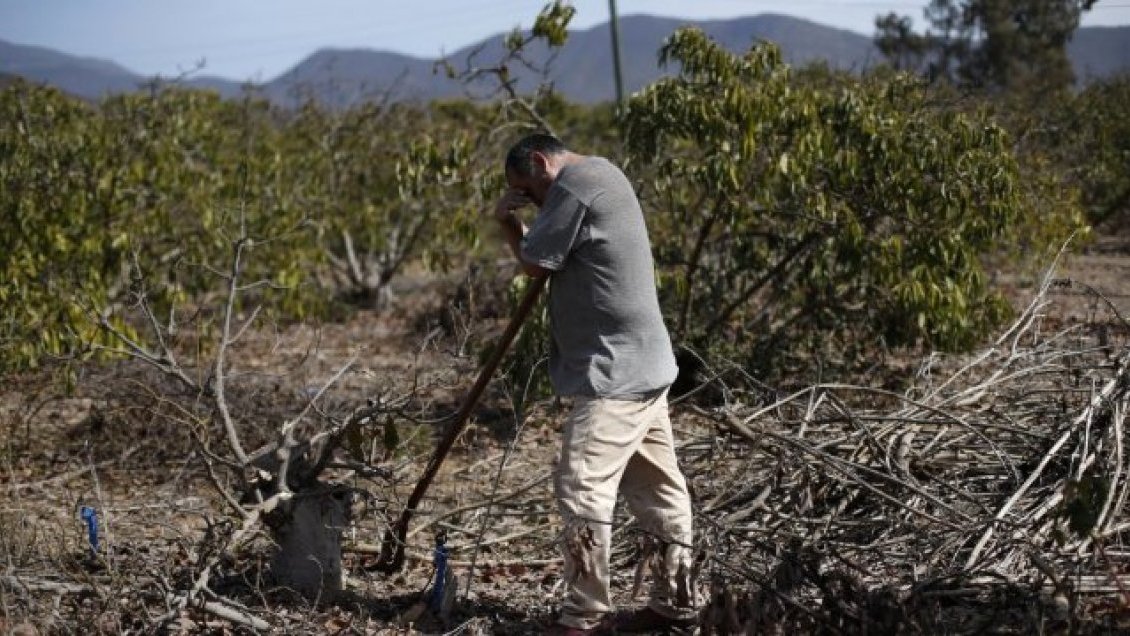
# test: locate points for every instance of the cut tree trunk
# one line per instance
(307, 534)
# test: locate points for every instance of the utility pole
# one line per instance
(614, 26)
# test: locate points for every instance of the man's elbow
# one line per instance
(534, 271)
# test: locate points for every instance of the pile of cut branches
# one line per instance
(992, 494)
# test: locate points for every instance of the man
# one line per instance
(611, 353)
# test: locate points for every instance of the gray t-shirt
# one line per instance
(608, 336)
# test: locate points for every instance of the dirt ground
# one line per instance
(102, 446)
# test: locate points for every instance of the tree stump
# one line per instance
(307, 533)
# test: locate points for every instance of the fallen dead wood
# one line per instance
(999, 473)
(1114, 391)
(448, 513)
(215, 608)
(375, 550)
(62, 478)
(1095, 584)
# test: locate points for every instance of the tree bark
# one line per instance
(307, 534)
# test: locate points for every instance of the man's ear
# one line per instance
(541, 162)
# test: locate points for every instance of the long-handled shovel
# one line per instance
(392, 548)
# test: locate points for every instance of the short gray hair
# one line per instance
(518, 159)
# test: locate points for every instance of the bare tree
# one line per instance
(284, 486)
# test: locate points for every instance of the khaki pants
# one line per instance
(626, 445)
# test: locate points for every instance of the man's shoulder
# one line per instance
(595, 165)
(591, 176)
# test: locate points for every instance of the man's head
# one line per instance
(533, 163)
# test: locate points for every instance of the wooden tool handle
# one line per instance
(392, 548)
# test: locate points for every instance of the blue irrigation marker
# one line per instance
(91, 519)
(440, 561)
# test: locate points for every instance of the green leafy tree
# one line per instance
(1087, 137)
(161, 182)
(791, 218)
(55, 236)
(1073, 148)
(392, 186)
(995, 44)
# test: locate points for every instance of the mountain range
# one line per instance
(581, 70)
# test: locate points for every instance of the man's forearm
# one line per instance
(513, 230)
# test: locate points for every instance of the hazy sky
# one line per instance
(259, 39)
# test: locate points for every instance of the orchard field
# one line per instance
(231, 334)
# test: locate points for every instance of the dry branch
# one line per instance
(1001, 469)
(281, 488)
(1111, 393)
(215, 608)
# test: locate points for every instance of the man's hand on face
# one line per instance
(511, 200)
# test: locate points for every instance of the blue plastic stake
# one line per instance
(91, 519)
(441, 574)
